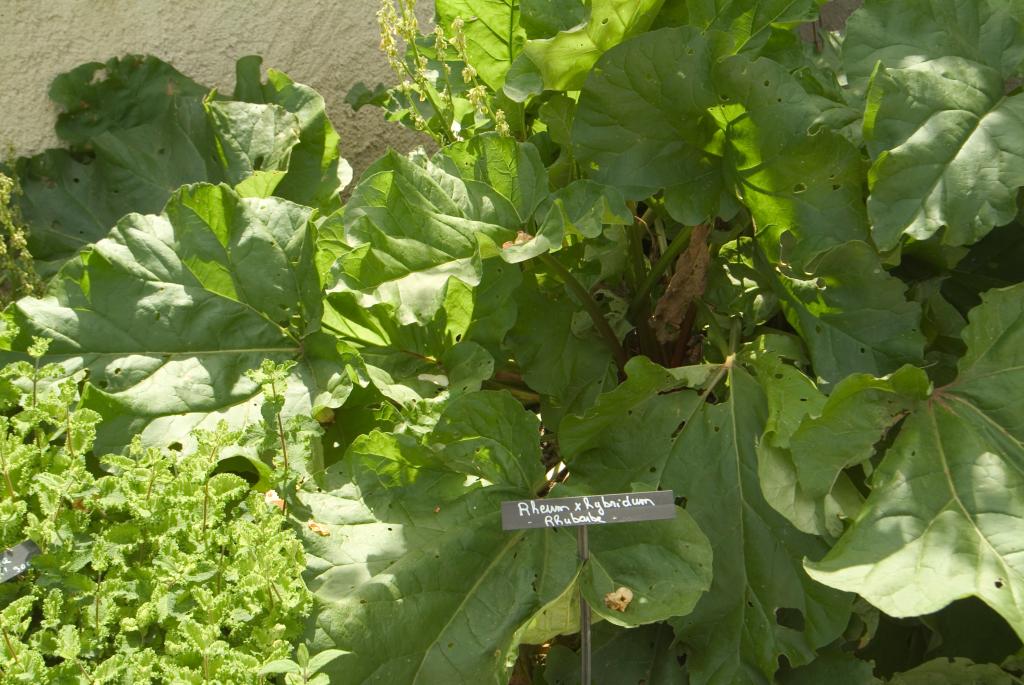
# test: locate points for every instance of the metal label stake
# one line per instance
(583, 546)
(581, 512)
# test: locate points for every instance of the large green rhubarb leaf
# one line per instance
(562, 61)
(138, 130)
(939, 124)
(643, 655)
(410, 227)
(567, 369)
(955, 672)
(316, 173)
(413, 549)
(943, 519)
(809, 439)
(168, 312)
(854, 317)
(748, 22)
(661, 112)
(493, 35)
(652, 432)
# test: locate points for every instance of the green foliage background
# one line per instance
(662, 244)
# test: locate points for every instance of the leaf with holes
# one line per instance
(950, 481)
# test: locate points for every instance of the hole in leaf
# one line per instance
(117, 371)
(767, 83)
(681, 502)
(717, 429)
(458, 337)
(653, 469)
(788, 617)
(176, 446)
(999, 584)
(836, 186)
(604, 21)
(799, 188)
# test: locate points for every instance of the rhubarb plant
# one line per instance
(659, 245)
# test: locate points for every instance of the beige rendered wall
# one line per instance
(327, 44)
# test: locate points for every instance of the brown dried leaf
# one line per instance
(319, 528)
(273, 499)
(619, 599)
(522, 237)
(686, 286)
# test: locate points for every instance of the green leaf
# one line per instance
(316, 172)
(417, 553)
(143, 130)
(281, 666)
(663, 112)
(761, 605)
(557, 115)
(122, 93)
(411, 229)
(69, 203)
(748, 22)
(942, 66)
(666, 565)
(169, 311)
(487, 434)
(638, 121)
(568, 370)
(902, 35)
(854, 317)
(802, 183)
(511, 169)
(813, 439)
(545, 18)
(323, 658)
(493, 35)
(955, 672)
(453, 351)
(965, 179)
(650, 432)
(580, 209)
(562, 61)
(836, 668)
(952, 474)
(642, 655)
(252, 138)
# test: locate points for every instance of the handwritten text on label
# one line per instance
(587, 510)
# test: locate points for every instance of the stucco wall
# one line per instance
(327, 44)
